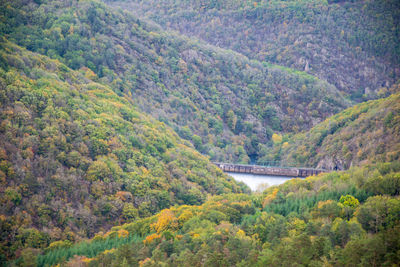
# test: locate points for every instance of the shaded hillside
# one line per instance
(366, 133)
(353, 45)
(338, 219)
(76, 158)
(227, 105)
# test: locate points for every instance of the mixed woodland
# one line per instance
(112, 112)
(226, 104)
(366, 133)
(323, 38)
(337, 219)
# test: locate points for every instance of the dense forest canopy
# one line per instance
(111, 113)
(337, 219)
(60, 129)
(353, 45)
(227, 105)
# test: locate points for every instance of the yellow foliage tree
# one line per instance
(277, 138)
(150, 238)
(270, 197)
(166, 220)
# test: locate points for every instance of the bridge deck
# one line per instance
(268, 170)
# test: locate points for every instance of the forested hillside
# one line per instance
(111, 113)
(227, 105)
(339, 219)
(353, 45)
(366, 133)
(75, 157)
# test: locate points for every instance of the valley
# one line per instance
(167, 133)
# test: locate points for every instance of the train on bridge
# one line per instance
(266, 170)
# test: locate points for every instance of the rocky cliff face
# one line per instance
(330, 163)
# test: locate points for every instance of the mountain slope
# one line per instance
(227, 105)
(366, 133)
(339, 219)
(75, 157)
(324, 38)
(95, 107)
